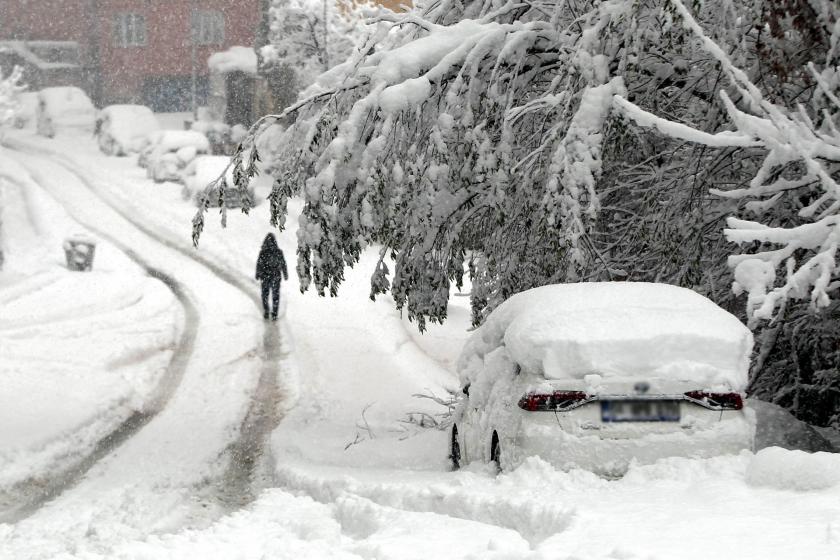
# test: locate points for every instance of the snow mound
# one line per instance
(615, 329)
(783, 469)
(242, 59)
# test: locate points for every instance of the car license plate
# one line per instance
(651, 410)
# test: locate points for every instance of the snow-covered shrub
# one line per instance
(65, 109)
(10, 91)
(125, 129)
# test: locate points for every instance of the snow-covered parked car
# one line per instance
(169, 152)
(125, 129)
(596, 375)
(65, 109)
(203, 171)
(27, 113)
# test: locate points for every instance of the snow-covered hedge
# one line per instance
(10, 91)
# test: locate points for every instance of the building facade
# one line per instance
(141, 51)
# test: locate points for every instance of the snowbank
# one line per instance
(242, 59)
(616, 329)
(123, 129)
(79, 352)
(783, 469)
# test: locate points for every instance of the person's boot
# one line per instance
(265, 314)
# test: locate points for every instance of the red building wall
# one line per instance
(119, 73)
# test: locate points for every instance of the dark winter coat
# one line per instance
(271, 264)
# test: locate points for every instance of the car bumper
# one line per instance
(610, 456)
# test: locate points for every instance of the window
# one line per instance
(208, 27)
(129, 30)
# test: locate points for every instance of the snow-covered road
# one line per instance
(194, 449)
(345, 474)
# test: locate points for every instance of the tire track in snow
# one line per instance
(31, 494)
(249, 460)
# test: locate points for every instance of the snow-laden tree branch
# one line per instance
(801, 166)
(488, 136)
(429, 159)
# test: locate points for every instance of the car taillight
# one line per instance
(558, 400)
(717, 401)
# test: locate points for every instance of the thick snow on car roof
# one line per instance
(616, 329)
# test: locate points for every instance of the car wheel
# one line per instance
(496, 452)
(455, 449)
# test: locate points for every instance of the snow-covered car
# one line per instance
(26, 115)
(169, 152)
(125, 129)
(217, 133)
(203, 171)
(65, 109)
(597, 375)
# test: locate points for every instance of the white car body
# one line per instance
(65, 109)
(600, 375)
(27, 113)
(125, 129)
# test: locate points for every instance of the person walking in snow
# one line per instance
(270, 266)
